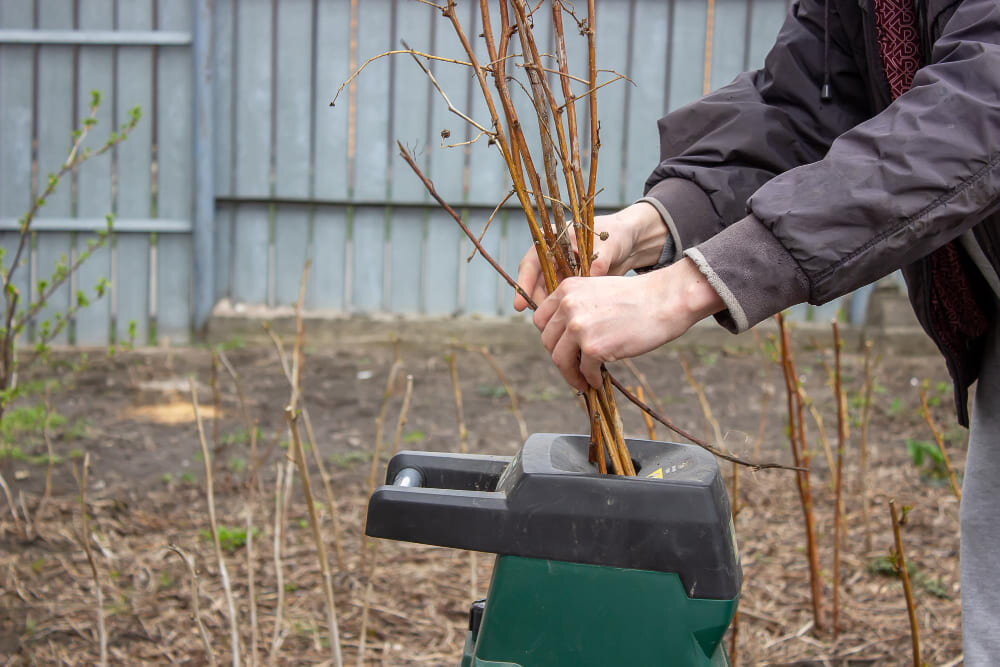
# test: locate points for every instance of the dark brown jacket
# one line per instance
(782, 198)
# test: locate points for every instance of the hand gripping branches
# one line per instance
(552, 213)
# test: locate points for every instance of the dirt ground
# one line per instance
(131, 413)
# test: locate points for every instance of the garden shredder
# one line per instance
(591, 569)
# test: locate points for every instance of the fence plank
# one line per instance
(441, 272)
(405, 260)
(174, 159)
(292, 145)
(223, 103)
(766, 19)
(687, 48)
(293, 111)
(517, 241)
(290, 245)
(250, 253)
(133, 198)
(174, 288)
(488, 176)
(329, 255)
(368, 259)
(16, 97)
(55, 96)
(728, 41)
(332, 58)
(253, 99)
(648, 102)
(612, 53)
(480, 277)
(92, 325)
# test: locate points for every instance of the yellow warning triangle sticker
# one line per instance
(658, 473)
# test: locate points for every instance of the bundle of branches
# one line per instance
(558, 205)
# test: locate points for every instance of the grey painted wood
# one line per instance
(517, 241)
(175, 122)
(728, 41)
(250, 253)
(612, 53)
(480, 278)
(406, 259)
(648, 98)
(223, 31)
(441, 271)
(55, 94)
(368, 270)
(332, 65)
(92, 324)
(294, 88)
(174, 287)
(371, 157)
(224, 231)
(95, 37)
(488, 176)
(291, 241)
(687, 50)
(766, 19)
(373, 91)
(292, 145)
(131, 287)
(327, 285)
(16, 91)
(253, 99)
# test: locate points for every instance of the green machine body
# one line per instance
(590, 569)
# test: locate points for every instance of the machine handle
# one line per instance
(409, 477)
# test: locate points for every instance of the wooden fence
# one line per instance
(241, 169)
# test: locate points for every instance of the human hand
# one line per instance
(634, 238)
(586, 322)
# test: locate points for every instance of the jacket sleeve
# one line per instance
(719, 150)
(888, 192)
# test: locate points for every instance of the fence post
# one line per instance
(203, 238)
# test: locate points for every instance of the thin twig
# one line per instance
(251, 581)
(390, 385)
(522, 426)
(796, 439)
(10, 503)
(839, 480)
(925, 411)
(292, 418)
(102, 631)
(279, 569)
(482, 234)
(650, 426)
(369, 586)
(195, 601)
(866, 407)
(393, 53)
(899, 560)
(234, 636)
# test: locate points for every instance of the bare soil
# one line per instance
(131, 413)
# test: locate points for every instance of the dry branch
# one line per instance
(510, 392)
(838, 511)
(800, 454)
(234, 635)
(195, 602)
(925, 411)
(102, 631)
(899, 561)
(324, 564)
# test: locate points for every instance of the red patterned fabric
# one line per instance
(955, 314)
(898, 42)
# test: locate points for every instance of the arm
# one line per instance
(888, 192)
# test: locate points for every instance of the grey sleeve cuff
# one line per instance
(751, 271)
(672, 250)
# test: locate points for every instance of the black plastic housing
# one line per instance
(549, 502)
